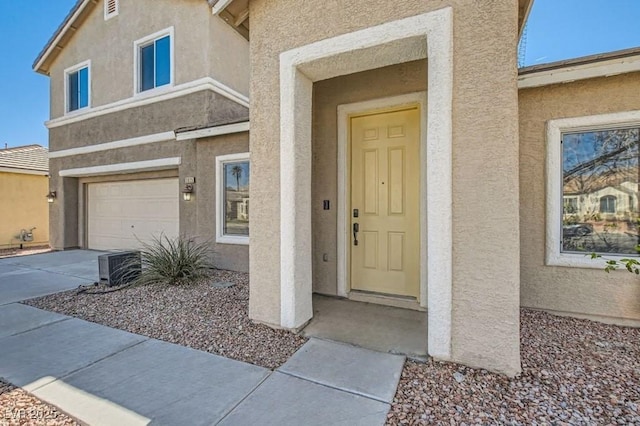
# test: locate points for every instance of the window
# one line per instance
(570, 205)
(593, 170)
(608, 204)
(77, 87)
(232, 198)
(154, 61)
(111, 9)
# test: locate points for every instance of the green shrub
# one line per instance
(630, 264)
(174, 261)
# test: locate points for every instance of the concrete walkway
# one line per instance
(104, 376)
(377, 327)
(26, 277)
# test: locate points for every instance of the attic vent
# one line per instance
(110, 8)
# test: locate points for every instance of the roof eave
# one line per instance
(524, 13)
(588, 67)
(62, 34)
(219, 7)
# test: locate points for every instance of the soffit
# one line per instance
(236, 13)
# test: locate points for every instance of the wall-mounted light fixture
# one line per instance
(51, 196)
(187, 192)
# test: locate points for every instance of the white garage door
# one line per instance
(122, 214)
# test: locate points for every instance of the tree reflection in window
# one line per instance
(601, 173)
(236, 198)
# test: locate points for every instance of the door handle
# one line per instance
(356, 229)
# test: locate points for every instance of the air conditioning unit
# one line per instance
(119, 268)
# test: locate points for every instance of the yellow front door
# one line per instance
(385, 202)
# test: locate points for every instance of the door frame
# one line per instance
(345, 112)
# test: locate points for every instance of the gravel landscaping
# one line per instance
(17, 407)
(574, 371)
(197, 315)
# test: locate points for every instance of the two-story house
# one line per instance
(125, 75)
(398, 157)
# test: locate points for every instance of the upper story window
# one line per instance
(111, 9)
(154, 61)
(78, 87)
(593, 168)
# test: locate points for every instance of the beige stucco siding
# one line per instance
(327, 95)
(202, 48)
(485, 313)
(612, 297)
(196, 109)
(109, 46)
(23, 206)
(228, 55)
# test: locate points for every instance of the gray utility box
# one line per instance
(119, 268)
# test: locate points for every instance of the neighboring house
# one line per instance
(398, 156)
(24, 185)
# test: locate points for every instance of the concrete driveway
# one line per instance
(26, 277)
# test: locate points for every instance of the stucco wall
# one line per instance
(485, 326)
(327, 95)
(203, 48)
(22, 206)
(226, 256)
(609, 297)
(228, 55)
(197, 109)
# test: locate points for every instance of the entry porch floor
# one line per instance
(371, 326)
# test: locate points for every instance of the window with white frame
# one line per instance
(232, 198)
(154, 61)
(111, 9)
(594, 171)
(77, 87)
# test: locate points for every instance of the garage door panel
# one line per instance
(159, 209)
(146, 229)
(122, 215)
(105, 209)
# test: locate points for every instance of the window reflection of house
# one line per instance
(616, 202)
(237, 209)
(234, 174)
(600, 191)
(243, 209)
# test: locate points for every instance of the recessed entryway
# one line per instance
(123, 215)
(376, 327)
(429, 35)
(385, 202)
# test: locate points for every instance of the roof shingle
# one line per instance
(29, 157)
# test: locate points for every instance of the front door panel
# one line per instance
(385, 191)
